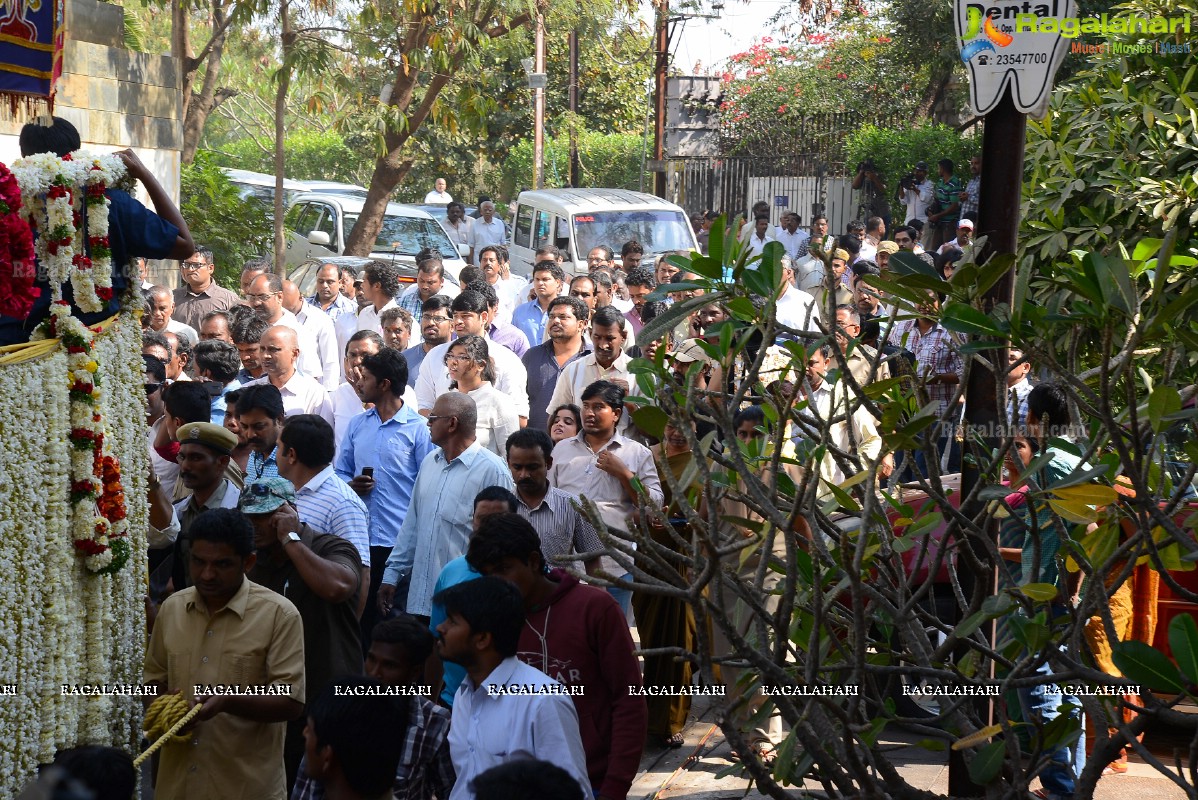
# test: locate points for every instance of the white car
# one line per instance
(317, 226)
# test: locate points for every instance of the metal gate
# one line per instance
(730, 185)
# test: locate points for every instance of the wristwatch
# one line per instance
(292, 537)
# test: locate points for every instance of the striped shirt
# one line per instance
(260, 468)
(328, 505)
(563, 530)
(425, 767)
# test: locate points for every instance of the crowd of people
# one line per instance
(365, 504)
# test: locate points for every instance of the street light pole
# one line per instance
(538, 110)
(660, 67)
(575, 167)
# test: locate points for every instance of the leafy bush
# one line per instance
(311, 156)
(235, 229)
(1115, 159)
(895, 150)
(609, 160)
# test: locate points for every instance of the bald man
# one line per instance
(279, 351)
(161, 301)
(320, 327)
(265, 297)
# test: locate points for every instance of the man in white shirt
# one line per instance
(320, 327)
(161, 308)
(279, 350)
(790, 236)
(438, 196)
(487, 229)
(491, 259)
(796, 308)
(380, 285)
(494, 724)
(265, 296)
(761, 235)
(875, 232)
(472, 315)
(457, 225)
(917, 195)
(856, 434)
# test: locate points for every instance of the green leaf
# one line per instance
(715, 242)
(1040, 592)
(1183, 641)
(1163, 401)
(904, 263)
(651, 419)
(1146, 248)
(963, 318)
(987, 764)
(1147, 666)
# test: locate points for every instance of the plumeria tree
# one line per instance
(819, 585)
(773, 90)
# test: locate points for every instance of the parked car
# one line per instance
(304, 275)
(333, 187)
(578, 220)
(261, 187)
(317, 226)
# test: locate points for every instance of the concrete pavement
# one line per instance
(690, 771)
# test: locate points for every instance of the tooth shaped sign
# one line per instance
(1015, 43)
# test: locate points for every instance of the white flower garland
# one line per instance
(64, 201)
(59, 622)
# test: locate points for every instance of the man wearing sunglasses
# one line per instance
(199, 293)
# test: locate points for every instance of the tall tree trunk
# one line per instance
(198, 107)
(933, 91)
(391, 168)
(287, 36)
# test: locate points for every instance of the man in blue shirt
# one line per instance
(487, 503)
(390, 441)
(437, 527)
(532, 317)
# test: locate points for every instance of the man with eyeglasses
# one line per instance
(437, 525)
(436, 326)
(266, 299)
(472, 315)
(199, 293)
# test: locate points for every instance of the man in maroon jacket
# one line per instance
(577, 635)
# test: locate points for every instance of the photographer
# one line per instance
(915, 192)
(873, 191)
(944, 211)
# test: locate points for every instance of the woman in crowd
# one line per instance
(565, 422)
(471, 373)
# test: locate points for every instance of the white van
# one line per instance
(317, 226)
(578, 220)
